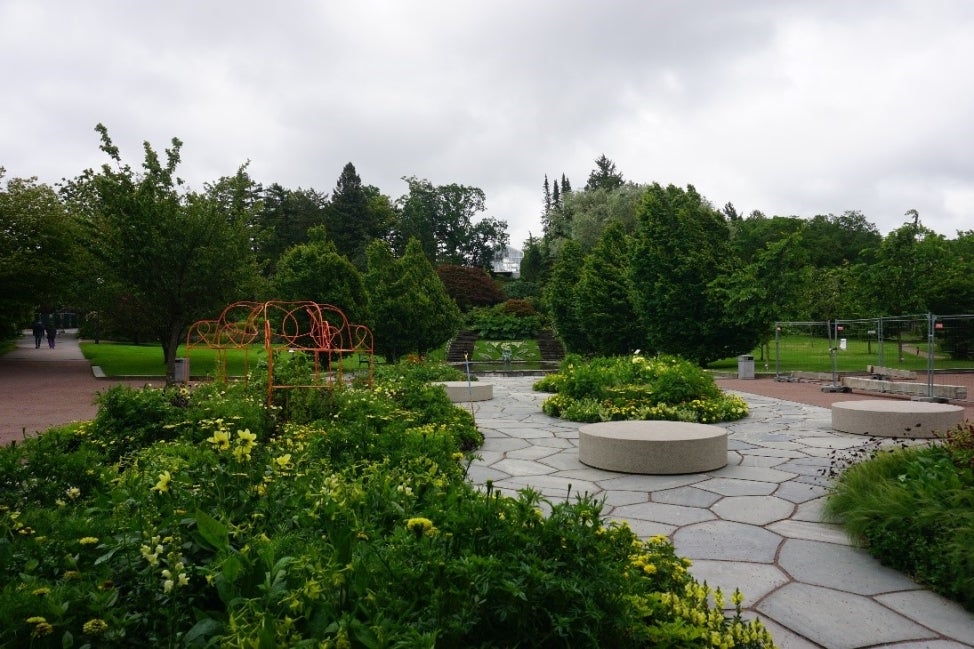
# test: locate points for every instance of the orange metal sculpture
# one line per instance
(319, 329)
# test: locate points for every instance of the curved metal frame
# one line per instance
(302, 326)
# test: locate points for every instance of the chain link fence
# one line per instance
(925, 356)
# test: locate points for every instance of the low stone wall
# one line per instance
(904, 387)
(463, 391)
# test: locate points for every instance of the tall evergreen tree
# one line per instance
(411, 310)
(350, 218)
(605, 308)
(566, 187)
(681, 246)
(604, 176)
(561, 297)
(283, 221)
(547, 196)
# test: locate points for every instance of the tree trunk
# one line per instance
(170, 345)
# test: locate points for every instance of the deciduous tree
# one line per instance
(181, 257)
(316, 272)
(36, 250)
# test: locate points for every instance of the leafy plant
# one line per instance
(912, 507)
(636, 387)
(350, 524)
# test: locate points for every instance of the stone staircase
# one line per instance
(550, 347)
(461, 347)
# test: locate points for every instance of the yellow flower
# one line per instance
(88, 540)
(220, 439)
(37, 619)
(42, 629)
(95, 626)
(420, 526)
(283, 461)
(40, 592)
(163, 484)
(73, 492)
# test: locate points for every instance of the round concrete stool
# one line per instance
(654, 447)
(881, 418)
(462, 391)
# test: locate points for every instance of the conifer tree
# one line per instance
(605, 307)
(560, 295)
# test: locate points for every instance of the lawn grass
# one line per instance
(120, 359)
(811, 354)
(791, 353)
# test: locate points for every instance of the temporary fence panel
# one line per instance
(935, 350)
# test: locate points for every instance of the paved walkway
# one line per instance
(755, 524)
(41, 388)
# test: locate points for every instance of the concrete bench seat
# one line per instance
(652, 447)
(880, 418)
(463, 391)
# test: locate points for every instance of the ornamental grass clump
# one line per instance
(637, 387)
(352, 524)
(912, 507)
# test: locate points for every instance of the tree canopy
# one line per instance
(179, 256)
(36, 249)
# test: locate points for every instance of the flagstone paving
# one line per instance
(755, 524)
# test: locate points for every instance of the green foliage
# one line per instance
(316, 272)
(356, 215)
(560, 295)
(468, 286)
(636, 387)
(511, 320)
(681, 246)
(36, 249)
(174, 257)
(441, 218)
(411, 311)
(913, 509)
(604, 306)
(358, 529)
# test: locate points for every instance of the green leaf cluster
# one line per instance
(357, 528)
(636, 387)
(912, 507)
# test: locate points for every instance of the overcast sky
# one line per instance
(797, 107)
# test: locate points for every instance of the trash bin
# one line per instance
(181, 371)
(745, 367)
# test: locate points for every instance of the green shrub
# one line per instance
(913, 509)
(636, 387)
(355, 528)
(497, 323)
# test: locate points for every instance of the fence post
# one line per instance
(931, 323)
(777, 351)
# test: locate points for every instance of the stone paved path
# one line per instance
(755, 524)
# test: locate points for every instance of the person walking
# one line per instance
(38, 333)
(51, 334)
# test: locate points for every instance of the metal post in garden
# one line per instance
(833, 351)
(777, 352)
